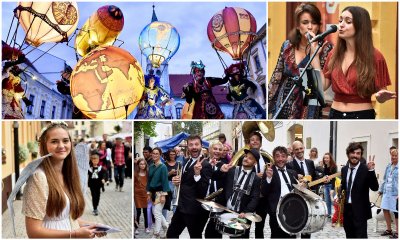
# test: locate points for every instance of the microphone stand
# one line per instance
(298, 80)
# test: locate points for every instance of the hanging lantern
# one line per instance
(47, 21)
(231, 30)
(159, 41)
(101, 29)
(107, 83)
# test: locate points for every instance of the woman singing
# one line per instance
(295, 53)
(355, 69)
(53, 201)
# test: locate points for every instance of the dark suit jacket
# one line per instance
(310, 167)
(363, 181)
(248, 202)
(190, 189)
(272, 190)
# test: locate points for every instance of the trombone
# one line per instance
(177, 189)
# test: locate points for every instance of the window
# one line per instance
(30, 107)
(64, 105)
(42, 107)
(53, 112)
(76, 133)
(178, 109)
(83, 133)
(257, 63)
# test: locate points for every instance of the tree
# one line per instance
(117, 128)
(144, 127)
(192, 127)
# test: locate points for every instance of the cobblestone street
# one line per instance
(328, 231)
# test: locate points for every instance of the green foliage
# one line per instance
(191, 127)
(117, 128)
(147, 128)
(23, 153)
(33, 147)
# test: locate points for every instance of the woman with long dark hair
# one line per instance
(329, 169)
(295, 53)
(355, 69)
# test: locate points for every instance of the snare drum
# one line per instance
(299, 214)
(227, 224)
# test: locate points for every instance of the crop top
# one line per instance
(345, 85)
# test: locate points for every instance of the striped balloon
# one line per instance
(231, 30)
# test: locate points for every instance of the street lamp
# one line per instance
(16, 155)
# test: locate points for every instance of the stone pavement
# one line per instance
(328, 232)
(115, 209)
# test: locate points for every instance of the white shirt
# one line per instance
(304, 165)
(229, 203)
(262, 164)
(284, 187)
(352, 177)
(196, 178)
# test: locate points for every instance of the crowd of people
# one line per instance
(254, 184)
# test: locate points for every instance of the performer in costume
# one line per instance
(12, 92)
(154, 99)
(245, 95)
(199, 93)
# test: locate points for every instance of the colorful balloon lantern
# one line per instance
(231, 30)
(159, 41)
(101, 29)
(47, 21)
(107, 83)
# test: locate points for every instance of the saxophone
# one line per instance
(342, 199)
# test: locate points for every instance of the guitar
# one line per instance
(323, 179)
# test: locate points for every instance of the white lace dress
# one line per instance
(36, 193)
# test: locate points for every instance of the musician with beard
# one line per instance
(194, 181)
(242, 186)
(255, 142)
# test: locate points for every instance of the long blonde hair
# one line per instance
(56, 201)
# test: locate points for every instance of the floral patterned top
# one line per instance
(282, 80)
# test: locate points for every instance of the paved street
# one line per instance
(115, 209)
(328, 232)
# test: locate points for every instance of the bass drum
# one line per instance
(299, 214)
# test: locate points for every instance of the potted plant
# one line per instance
(33, 149)
(23, 153)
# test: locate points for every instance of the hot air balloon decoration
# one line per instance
(107, 83)
(101, 29)
(232, 30)
(47, 21)
(159, 41)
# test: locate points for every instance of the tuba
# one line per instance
(266, 128)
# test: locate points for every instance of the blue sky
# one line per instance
(190, 19)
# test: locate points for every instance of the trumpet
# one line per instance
(177, 189)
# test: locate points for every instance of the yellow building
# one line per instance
(27, 132)
(384, 23)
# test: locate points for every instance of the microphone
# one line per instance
(309, 37)
(332, 29)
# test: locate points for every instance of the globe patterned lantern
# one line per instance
(159, 41)
(107, 83)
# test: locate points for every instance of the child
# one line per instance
(336, 207)
(96, 180)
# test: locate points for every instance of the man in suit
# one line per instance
(357, 179)
(277, 182)
(196, 174)
(242, 186)
(255, 141)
